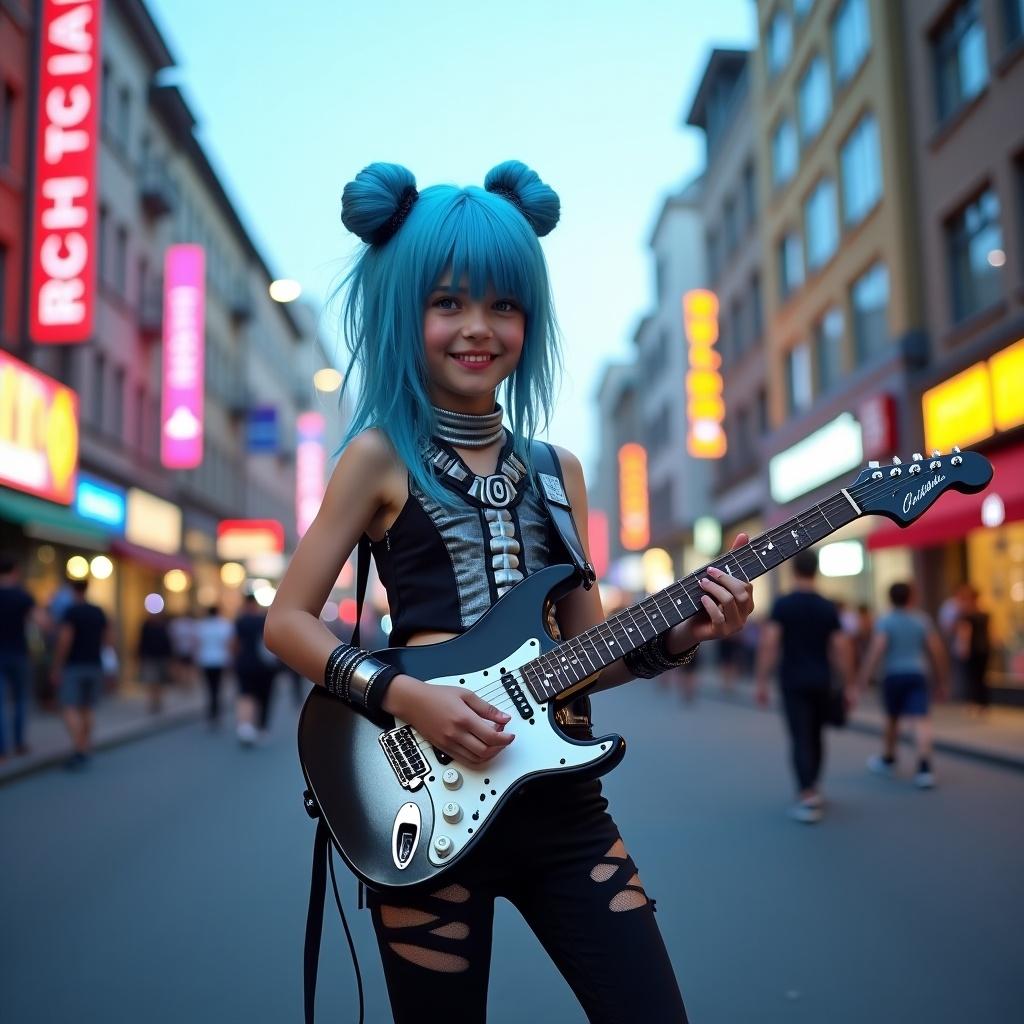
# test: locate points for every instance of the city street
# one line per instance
(168, 883)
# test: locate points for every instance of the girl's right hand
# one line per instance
(452, 719)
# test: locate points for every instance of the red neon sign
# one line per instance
(181, 419)
(248, 538)
(63, 280)
(634, 518)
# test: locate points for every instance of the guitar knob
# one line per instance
(936, 453)
(918, 457)
(956, 451)
(443, 846)
(452, 778)
(452, 812)
(896, 461)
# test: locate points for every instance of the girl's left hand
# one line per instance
(727, 603)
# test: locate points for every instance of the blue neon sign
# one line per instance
(101, 502)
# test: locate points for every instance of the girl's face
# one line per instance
(471, 345)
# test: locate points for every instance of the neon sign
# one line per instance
(63, 277)
(705, 409)
(310, 463)
(634, 518)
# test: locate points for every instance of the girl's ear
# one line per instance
(374, 206)
(537, 202)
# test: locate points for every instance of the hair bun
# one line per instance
(371, 202)
(537, 202)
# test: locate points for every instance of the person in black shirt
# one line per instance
(805, 641)
(78, 669)
(17, 607)
(255, 668)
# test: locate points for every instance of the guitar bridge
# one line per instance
(406, 758)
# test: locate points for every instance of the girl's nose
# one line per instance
(476, 324)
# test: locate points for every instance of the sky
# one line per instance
(592, 95)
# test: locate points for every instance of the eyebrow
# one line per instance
(453, 288)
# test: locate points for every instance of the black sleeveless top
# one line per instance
(443, 566)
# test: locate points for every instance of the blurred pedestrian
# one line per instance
(17, 609)
(183, 644)
(907, 645)
(863, 630)
(154, 653)
(78, 669)
(255, 668)
(730, 653)
(805, 641)
(971, 649)
(214, 634)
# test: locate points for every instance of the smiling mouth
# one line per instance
(468, 359)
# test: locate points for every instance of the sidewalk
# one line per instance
(998, 738)
(119, 719)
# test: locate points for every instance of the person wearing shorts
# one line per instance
(78, 669)
(911, 654)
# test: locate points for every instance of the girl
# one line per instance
(448, 302)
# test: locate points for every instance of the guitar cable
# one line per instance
(348, 933)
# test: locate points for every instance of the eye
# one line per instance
(506, 306)
(445, 302)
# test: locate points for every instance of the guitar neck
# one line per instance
(568, 664)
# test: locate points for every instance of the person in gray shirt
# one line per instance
(911, 654)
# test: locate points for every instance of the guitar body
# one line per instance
(382, 792)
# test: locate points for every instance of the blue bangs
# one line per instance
(482, 241)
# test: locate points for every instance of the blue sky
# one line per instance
(591, 95)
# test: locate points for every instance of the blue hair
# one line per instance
(484, 238)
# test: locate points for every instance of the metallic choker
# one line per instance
(464, 430)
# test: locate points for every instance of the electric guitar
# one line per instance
(402, 812)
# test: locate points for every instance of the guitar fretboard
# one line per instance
(572, 661)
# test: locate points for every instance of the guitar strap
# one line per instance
(551, 488)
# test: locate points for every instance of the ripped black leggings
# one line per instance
(557, 856)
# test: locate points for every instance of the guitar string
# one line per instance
(870, 489)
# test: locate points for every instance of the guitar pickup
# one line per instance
(515, 691)
(406, 758)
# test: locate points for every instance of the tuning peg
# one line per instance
(896, 461)
(877, 475)
(896, 471)
(915, 467)
(873, 464)
(918, 457)
(956, 451)
(936, 453)
(956, 460)
(935, 464)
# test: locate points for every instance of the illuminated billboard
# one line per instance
(181, 416)
(63, 273)
(705, 408)
(310, 465)
(634, 518)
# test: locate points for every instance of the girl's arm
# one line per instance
(727, 601)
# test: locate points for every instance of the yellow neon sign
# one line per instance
(705, 408)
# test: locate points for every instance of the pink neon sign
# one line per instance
(181, 419)
(310, 463)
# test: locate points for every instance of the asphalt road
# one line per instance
(168, 884)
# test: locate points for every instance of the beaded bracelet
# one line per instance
(653, 658)
(358, 678)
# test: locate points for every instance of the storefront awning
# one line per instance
(48, 521)
(150, 559)
(954, 515)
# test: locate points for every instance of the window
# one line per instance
(860, 163)
(791, 264)
(124, 116)
(869, 298)
(750, 194)
(814, 99)
(828, 341)
(7, 101)
(851, 38)
(961, 63)
(102, 256)
(801, 8)
(784, 152)
(820, 224)
(120, 269)
(976, 255)
(661, 282)
(117, 404)
(106, 81)
(799, 387)
(756, 310)
(711, 243)
(780, 42)
(98, 389)
(138, 420)
(732, 227)
(737, 325)
(761, 412)
(1013, 20)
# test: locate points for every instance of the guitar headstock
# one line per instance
(903, 491)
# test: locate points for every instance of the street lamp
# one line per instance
(285, 289)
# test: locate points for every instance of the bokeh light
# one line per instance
(153, 603)
(77, 567)
(101, 567)
(327, 380)
(285, 289)
(232, 574)
(176, 581)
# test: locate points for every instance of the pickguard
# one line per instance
(538, 747)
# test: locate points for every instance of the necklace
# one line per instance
(466, 430)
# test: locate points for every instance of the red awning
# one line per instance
(152, 559)
(955, 514)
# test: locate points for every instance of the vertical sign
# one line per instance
(635, 527)
(310, 464)
(705, 409)
(181, 418)
(597, 529)
(63, 279)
